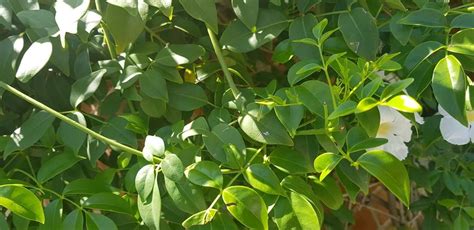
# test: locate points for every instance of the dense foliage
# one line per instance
(235, 114)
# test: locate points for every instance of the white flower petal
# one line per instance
(419, 119)
(386, 114)
(471, 132)
(442, 111)
(453, 131)
(395, 146)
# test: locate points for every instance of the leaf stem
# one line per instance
(220, 58)
(70, 121)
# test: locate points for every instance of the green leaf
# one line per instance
(238, 38)
(388, 170)
(205, 173)
(153, 85)
(165, 6)
(172, 167)
(283, 52)
(298, 185)
(404, 103)
(463, 42)
(328, 192)
(344, 109)
(186, 97)
(463, 21)
(150, 208)
(53, 215)
(246, 206)
(108, 202)
(395, 4)
(318, 29)
(68, 14)
(186, 196)
(246, 11)
(290, 161)
(21, 202)
(395, 88)
(304, 212)
(11, 48)
(420, 53)
(401, 32)
(34, 59)
(85, 87)
(200, 218)
(449, 87)
(370, 121)
(174, 55)
(115, 129)
(86, 187)
(296, 73)
(222, 135)
(427, 17)
(262, 177)
(96, 221)
(367, 143)
(301, 28)
(267, 130)
(366, 104)
(144, 181)
(29, 133)
(360, 32)
(153, 107)
(74, 220)
(154, 146)
(315, 95)
(124, 27)
(70, 135)
(204, 10)
(40, 20)
(325, 163)
(56, 165)
(284, 216)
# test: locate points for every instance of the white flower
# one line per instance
(396, 129)
(453, 131)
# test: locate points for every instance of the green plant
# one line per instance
(234, 114)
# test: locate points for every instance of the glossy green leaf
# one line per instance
(295, 73)
(96, 221)
(370, 121)
(266, 130)
(144, 181)
(74, 220)
(284, 216)
(463, 21)
(172, 167)
(40, 20)
(11, 48)
(246, 206)
(165, 6)
(21, 202)
(205, 173)
(125, 27)
(222, 135)
(174, 55)
(238, 38)
(427, 17)
(395, 88)
(86, 187)
(34, 59)
(150, 208)
(328, 192)
(298, 185)
(29, 133)
(366, 104)
(56, 165)
(449, 87)
(262, 177)
(367, 143)
(315, 95)
(70, 135)
(283, 52)
(68, 14)
(53, 215)
(186, 97)
(388, 170)
(186, 196)
(204, 10)
(360, 32)
(290, 161)
(304, 212)
(463, 42)
(301, 28)
(85, 87)
(343, 109)
(246, 11)
(404, 103)
(325, 163)
(153, 85)
(108, 202)
(200, 218)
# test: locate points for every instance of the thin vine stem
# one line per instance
(220, 58)
(70, 121)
